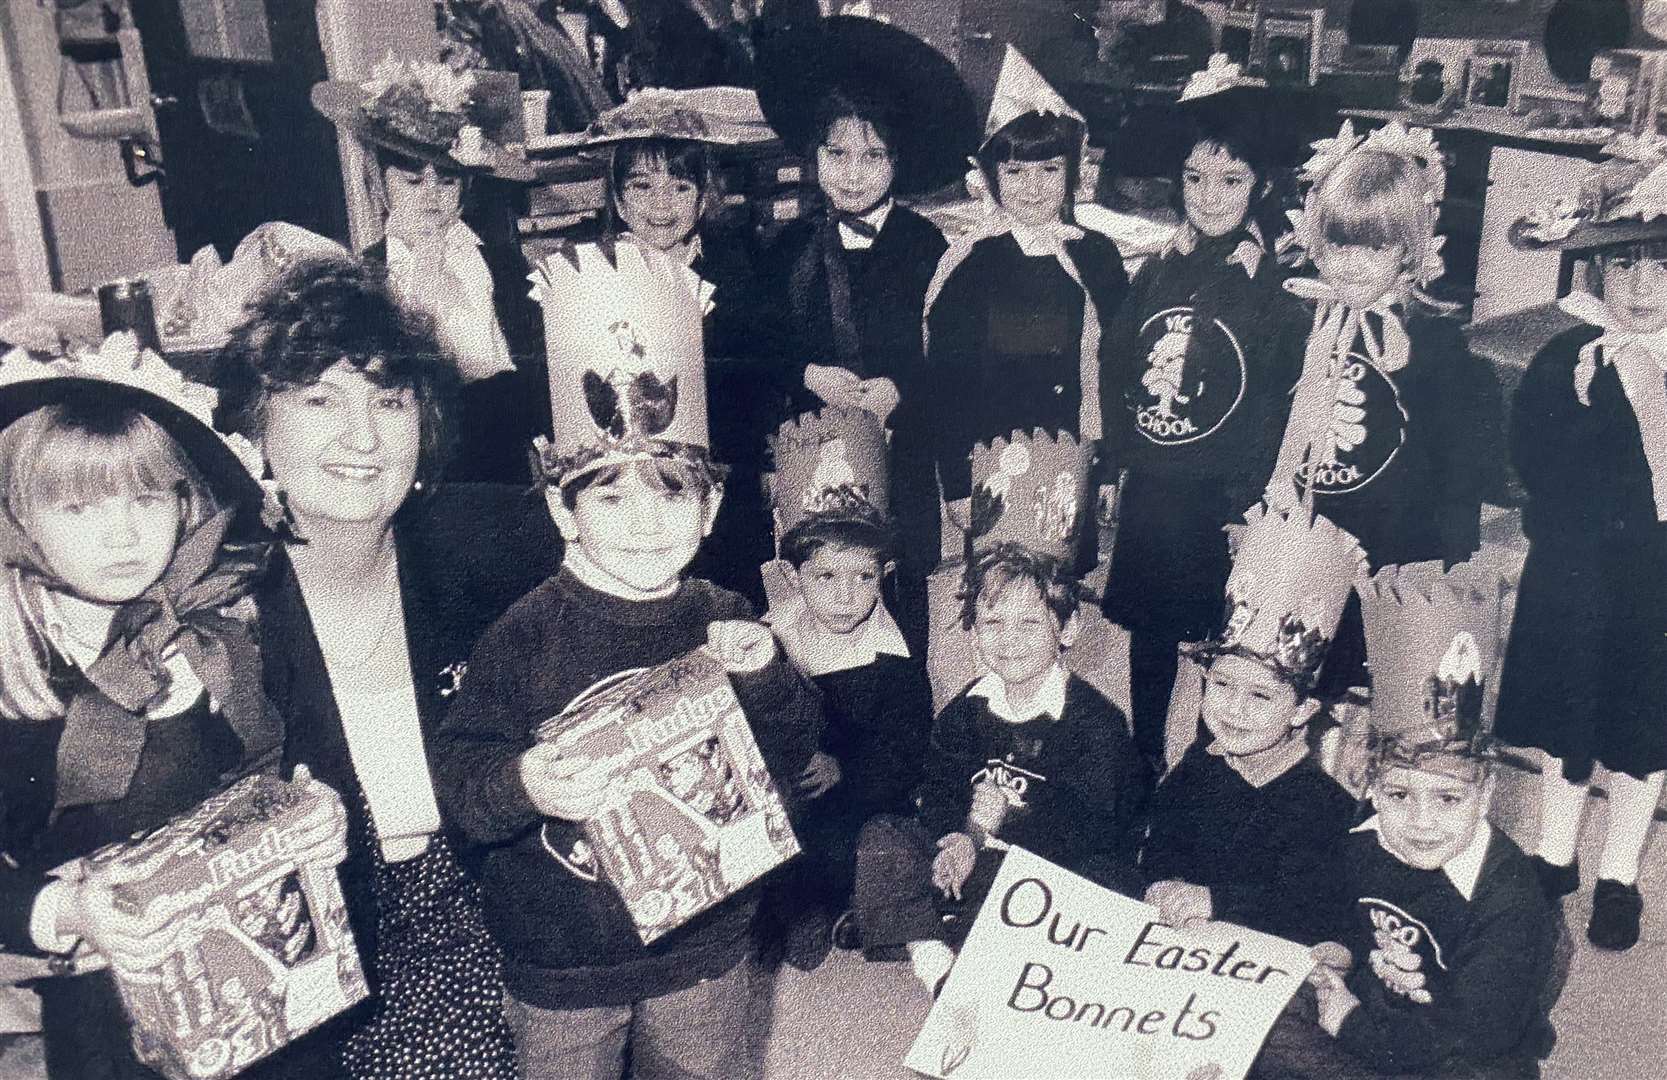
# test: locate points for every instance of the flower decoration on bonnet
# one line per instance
(1416, 145)
(1219, 75)
(428, 103)
(1292, 576)
(1433, 638)
(1621, 198)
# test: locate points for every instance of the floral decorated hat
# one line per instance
(1292, 577)
(830, 467)
(423, 110)
(1621, 200)
(720, 115)
(1416, 145)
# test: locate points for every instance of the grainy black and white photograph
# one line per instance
(833, 539)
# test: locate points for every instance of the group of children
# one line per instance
(1348, 458)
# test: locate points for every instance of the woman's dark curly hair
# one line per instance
(328, 311)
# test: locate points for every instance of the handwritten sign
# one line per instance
(1062, 978)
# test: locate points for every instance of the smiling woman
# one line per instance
(366, 619)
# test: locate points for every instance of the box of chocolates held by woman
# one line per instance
(693, 815)
(254, 948)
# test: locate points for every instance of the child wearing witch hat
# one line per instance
(631, 485)
(1583, 676)
(878, 116)
(1246, 826)
(838, 553)
(1444, 970)
(1196, 376)
(1027, 754)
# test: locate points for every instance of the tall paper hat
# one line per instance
(831, 466)
(1292, 576)
(1433, 642)
(1030, 490)
(1620, 200)
(622, 326)
(1021, 89)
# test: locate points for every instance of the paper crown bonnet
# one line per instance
(830, 466)
(1621, 199)
(1028, 490)
(424, 110)
(1292, 576)
(1433, 639)
(721, 115)
(622, 326)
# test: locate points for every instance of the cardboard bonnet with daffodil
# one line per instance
(1433, 642)
(831, 467)
(627, 366)
(1030, 491)
(1292, 576)
(1621, 200)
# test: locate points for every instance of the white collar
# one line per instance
(1463, 869)
(817, 653)
(850, 238)
(691, 252)
(458, 238)
(1038, 240)
(1049, 700)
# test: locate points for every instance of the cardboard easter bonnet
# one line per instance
(831, 466)
(1292, 576)
(622, 326)
(1620, 200)
(1021, 89)
(1029, 490)
(721, 115)
(1433, 640)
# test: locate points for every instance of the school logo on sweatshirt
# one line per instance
(1194, 377)
(1368, 426)
(1406, 954)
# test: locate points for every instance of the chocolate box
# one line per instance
(694, 816)
(255, 949)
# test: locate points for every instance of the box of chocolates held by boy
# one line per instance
(254, 949)
(693, 815)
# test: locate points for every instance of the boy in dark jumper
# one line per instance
(1026, 755)
(632, 489)
(838, 548)
(1444, 971)
(1246, 827)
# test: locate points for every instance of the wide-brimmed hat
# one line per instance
(121, 375)
(1621, 200)
(1283, 120)
(428, 112)
(720, 115)
(936, 120)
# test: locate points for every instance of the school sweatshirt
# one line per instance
(1078, 787)
(568, 940)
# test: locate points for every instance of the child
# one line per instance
(1026, 755)
(129, 679)
(631, 485)
(1444, 971)
(838, 547)
(1389, 427)
(1245, 828)
(882, 116)
(1017, 309)
(1589, 439)
(1196, 376)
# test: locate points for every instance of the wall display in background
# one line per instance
(1626, 88)
(1238, 32)
(1287, 46)
(1433, 77)
(1489, 79)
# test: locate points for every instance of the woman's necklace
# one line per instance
(334, 631)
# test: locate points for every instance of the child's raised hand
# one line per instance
(1331, 956)
(821, 774)
(1335, 999)
(92, 913)
(1181, 903)
(573, 789)
(957, 854)
(743, 646)
(834, 385)
(879, 396)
